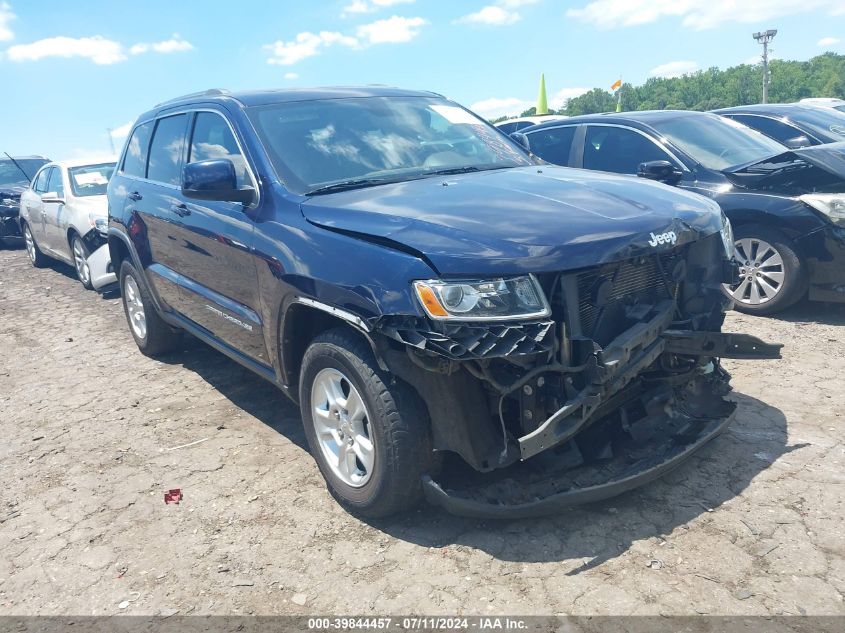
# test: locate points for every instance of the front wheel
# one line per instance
(38, 259)
(80, 261)
(369, 435)
(771, 274)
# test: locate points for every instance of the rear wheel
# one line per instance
(369, 435)
(38, 259)
(152, 335)
(771, 274)
(80, 261)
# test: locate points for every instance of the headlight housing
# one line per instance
(98, 222)
(727, 233)
(830, 204)
(499, 299)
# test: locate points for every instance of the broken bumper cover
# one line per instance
(514, 499)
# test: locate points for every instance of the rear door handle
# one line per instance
(181, 210)
(135, 196)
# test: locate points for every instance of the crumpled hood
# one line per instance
(12, 191)
(796, 171)
(529, 219)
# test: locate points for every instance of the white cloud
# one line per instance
(98, 49)
(696, 14)
(6, 16)
(291, 75)
(392, 30)
(494, 107)
(501, 13)
(828, 41)
(362, 6)
(559, 99)
(174, 45)
(306, 45)
(674, 69)
(121, 131)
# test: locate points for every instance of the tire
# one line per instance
(152, 335)
(766, 289)
(80, 256)
(36, 257)
(395, 422)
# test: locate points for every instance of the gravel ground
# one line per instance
(94, 433)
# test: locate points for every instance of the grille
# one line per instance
(605, 292)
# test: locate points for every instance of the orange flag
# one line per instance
(616, 84)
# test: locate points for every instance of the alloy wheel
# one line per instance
(81, 262)
(761, 272)
(135, 307)
(341, 423)
(30, 243)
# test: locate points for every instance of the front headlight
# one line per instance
(487, 300)
(727, 237)
(831, 204)
(99, 222)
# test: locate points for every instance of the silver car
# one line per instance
(64, 215)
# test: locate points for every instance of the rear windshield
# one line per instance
(317, 144)
(717, 142)
(825, 121)
(20, 174)
(90, 180)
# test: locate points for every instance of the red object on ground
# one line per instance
(173, 496)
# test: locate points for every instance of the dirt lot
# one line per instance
(91, 434)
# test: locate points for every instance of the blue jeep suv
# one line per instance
(454, 319)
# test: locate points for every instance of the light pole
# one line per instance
(764, 37)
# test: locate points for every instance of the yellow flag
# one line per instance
(616, 84)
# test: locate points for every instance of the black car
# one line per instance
(15, 176)
(787, 207)
(792, 124)
(423, 288)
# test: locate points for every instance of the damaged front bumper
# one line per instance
(622, 384)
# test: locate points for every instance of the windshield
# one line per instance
(717, 142)
(90, 180)
(825, 121)
(10, 174)
(362, 141)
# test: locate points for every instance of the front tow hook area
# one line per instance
(720, 344)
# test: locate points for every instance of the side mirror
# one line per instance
(522, 139)
(661, 171)
(798, 142)
(52, 196)
(214, 179)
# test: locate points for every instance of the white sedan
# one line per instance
(64, 215)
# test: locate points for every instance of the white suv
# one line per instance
(64, 215)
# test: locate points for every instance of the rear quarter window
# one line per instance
(135, 161)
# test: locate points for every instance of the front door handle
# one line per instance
(181, 210)
(135, 196)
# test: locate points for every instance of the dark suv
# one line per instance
(440, 306)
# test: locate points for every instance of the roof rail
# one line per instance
(211, 92)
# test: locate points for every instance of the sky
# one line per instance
(76, 74)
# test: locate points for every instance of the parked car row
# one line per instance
(456, 318)
(786, 206)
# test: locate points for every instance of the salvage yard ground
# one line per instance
(94, 434)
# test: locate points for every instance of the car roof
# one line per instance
(251, 98)
(6, 158)
(537, 117)
(643, 117)
(774, 109)
(83, 162)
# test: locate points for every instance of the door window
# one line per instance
(135, 162)
(212, 138)
(55, 183)
(772, 128)
(166, 149)
(619, 150)
(39, 185)
(553, 145)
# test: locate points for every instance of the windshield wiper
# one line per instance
(463, 170)
(346, 185)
